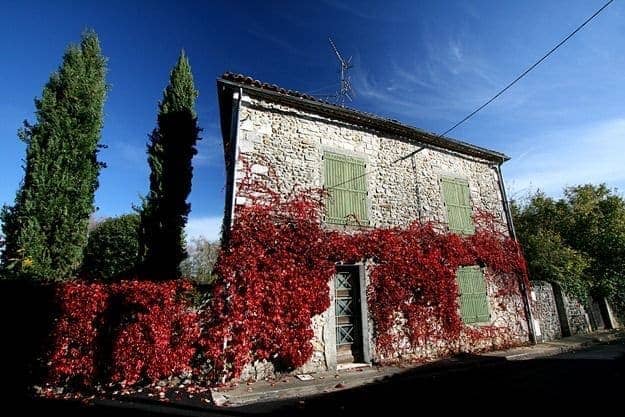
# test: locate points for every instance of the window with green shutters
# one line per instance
(458, 203)
(473, 296)
(346, 183)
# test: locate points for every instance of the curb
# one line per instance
(162, 408)
(556, 347)
(450, 365)
(353, 380)
(237, 401)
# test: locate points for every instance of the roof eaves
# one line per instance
(365, 119)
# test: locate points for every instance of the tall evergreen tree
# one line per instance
(46, 228)
(170, 152)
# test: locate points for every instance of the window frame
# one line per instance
(477, 319)
(468, 207)
(348, 218)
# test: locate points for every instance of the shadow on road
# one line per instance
(567, 382)
(575, 381)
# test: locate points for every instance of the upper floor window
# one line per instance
(346, 182)
(458, 203)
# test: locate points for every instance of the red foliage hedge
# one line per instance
(273, 278)
(122, 332)
(75, 337)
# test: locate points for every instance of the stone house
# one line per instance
(382, 173)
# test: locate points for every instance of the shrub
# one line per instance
(112, 248)
(122, 332)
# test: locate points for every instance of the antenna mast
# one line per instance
(345, 90)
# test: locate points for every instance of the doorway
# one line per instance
(348, 315)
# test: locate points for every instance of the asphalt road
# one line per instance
(591, 380)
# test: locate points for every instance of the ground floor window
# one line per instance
(473, 296)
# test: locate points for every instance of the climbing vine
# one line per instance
(273, 278)
(275, 268)
(122, 333)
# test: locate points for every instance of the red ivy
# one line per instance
(74, 339)
(273, 278)
(153, 332)
(274, 273)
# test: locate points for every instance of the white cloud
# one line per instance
(128, 154)
(447, 81)
(209, 149)
(207, 227)
(591, 153)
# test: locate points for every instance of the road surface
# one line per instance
(591, 380)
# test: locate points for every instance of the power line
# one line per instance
(524, 73)
(503, 90)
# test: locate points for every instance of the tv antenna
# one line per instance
(345, 90)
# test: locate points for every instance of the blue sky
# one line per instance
(427, 64)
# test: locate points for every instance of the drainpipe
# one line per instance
(524, 290)
(416, 181)
(236, 107)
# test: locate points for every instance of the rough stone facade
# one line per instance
(285, 144)
(504, 329)
(576, 315)
(545, 311)
(292, 144)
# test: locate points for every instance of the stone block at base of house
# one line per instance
(258, 370)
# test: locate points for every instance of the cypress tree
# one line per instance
(46, 228)
(170, 152)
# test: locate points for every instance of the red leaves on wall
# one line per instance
(74, 339)
(275, 269)
(150, 329)
(158, 335)
(273, 279)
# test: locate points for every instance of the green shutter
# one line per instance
(473, 296)
(346, 183)
(459, 212)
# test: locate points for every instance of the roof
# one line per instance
(230, 81)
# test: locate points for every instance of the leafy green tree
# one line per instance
(540, 223)
(46, 228)
(201, 260)
(170, 152)
(598, 228)
(577, 241)
(112, 248)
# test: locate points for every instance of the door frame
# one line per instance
(365, 326)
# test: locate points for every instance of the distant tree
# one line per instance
(598, 229)
(201, 260)
(577, 241)
(112, 248)
(46, 228)
(170, 152)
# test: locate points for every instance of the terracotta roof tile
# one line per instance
(246, 80)
(369, 118)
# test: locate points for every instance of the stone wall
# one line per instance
(507, 327)
(558, 314)
(285, 146)
(545, 311)
(578, 320)
(291, 143)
